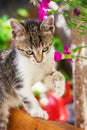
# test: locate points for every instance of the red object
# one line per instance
(55, 108)
(68, 96)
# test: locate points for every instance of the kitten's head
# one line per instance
(33, 38)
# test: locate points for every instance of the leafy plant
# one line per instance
(76, 15)
(4, 32)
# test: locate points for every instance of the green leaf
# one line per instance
(81, 57)
(56, 0)
(78, 48)
(58, 44)
(52, 11)
(22, 12)
(67, 56)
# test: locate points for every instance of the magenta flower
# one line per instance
(42, 13)
(67, 55)
(66, 49)
(45, 4)
(42, 9)
(57, 56)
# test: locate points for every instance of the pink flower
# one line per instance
(45, 4)
(57, 56)
(66, 49)
(42, 9)
(42, 13)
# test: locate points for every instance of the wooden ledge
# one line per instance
(22, 121)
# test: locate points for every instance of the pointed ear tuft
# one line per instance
(17, 28)
(47, 26)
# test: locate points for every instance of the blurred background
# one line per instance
(10, 7)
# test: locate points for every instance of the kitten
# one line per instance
(29, 61)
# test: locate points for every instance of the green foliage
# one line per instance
(58, 44)
(22, 12)
(75, 20)
(78, 48)
(4, 32)
(52, 12)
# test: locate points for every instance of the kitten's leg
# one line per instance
(8, 99)
(30, 103)
(4, 114)
(55, 81)
(4, 108)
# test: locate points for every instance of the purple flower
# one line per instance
(77, 11)
(57, 56)
(66, 49)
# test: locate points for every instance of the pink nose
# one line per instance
(38, 58)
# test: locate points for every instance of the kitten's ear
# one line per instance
(47, 26)
(17, 28)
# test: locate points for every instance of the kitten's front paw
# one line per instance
(38, 112)
(59, 83)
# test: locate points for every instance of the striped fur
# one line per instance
(29, 61)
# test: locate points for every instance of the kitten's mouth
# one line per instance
(38, 62)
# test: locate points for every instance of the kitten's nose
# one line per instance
(39, 58)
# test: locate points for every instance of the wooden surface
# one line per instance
(22, 121)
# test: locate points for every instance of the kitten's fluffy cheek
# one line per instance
(32, 59)
(45, 56)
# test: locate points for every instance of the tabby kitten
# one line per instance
(29, 61)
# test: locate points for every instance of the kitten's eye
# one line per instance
(45, 49)
(29, 52)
